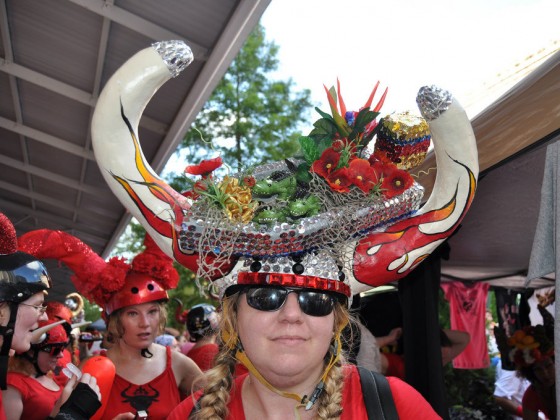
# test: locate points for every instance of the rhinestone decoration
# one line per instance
(176, 55)
(433, 101)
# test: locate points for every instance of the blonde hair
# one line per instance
(219, 380)
(115, 329)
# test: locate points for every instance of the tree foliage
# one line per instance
(250, 117)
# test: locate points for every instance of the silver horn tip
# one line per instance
(433, 101)
(176, 55)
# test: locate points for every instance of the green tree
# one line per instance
(250, 118)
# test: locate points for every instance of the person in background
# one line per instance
(453, 342)
(509, 390)
(532, 351)
(24, 282)
(360, 346)
(150, 378)
(32, 392)
(58, 311)
(202, 325)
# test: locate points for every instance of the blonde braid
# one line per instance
(330, 402)
(219, 380)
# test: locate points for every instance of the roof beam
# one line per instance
(139, 25)
(47, 139)
(62, 180)
(100, 214)
(69, 91)
(61, 221)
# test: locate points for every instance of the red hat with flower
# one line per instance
(113, 284)
(530, 345)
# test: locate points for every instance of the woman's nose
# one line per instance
(291, 309)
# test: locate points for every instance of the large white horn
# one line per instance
(115, 137)
(386, 256)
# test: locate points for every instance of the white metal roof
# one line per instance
(55, 57)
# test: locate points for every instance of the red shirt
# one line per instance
(38, 401)
(409, 403)
(158, 397)
(204, 355)
(467, 307)
(534, 402)
(2, 414)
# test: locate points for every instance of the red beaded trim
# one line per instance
(294, 280)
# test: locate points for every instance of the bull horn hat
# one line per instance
(364, 227)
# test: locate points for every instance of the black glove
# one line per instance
(82, 404)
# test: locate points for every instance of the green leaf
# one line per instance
(363, 118)
(302, 174)
(324, 114)
(324, 129)
(309, 149)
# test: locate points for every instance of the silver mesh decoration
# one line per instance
(176, 54)
(206, 231)
(433, 101)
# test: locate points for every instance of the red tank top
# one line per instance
(2, 414)
(204, 355)
(157, 397)
(409, 403)
(38, 401)
(467, 307)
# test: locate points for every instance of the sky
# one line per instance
(461, 46)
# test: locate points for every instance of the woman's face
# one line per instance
(544, 372)
(286, 346)
(29, 313)
(141, 324)
(47, 360)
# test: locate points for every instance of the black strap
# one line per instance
(376, 392)
(377, 396)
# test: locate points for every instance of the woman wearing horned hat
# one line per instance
(287, 245)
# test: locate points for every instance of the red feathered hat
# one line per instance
(113, 284)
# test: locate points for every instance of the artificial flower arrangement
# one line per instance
(335, 167)
(529, 345)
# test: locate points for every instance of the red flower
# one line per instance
(327, 163)
(339, 180)
(195, 192)
(396, 182)
(205, 167)
(249, 181)
(362, 175)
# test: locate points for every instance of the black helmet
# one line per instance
(21, 276)
(201, 320)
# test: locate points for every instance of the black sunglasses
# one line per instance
(54, 350)
(311, 302)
